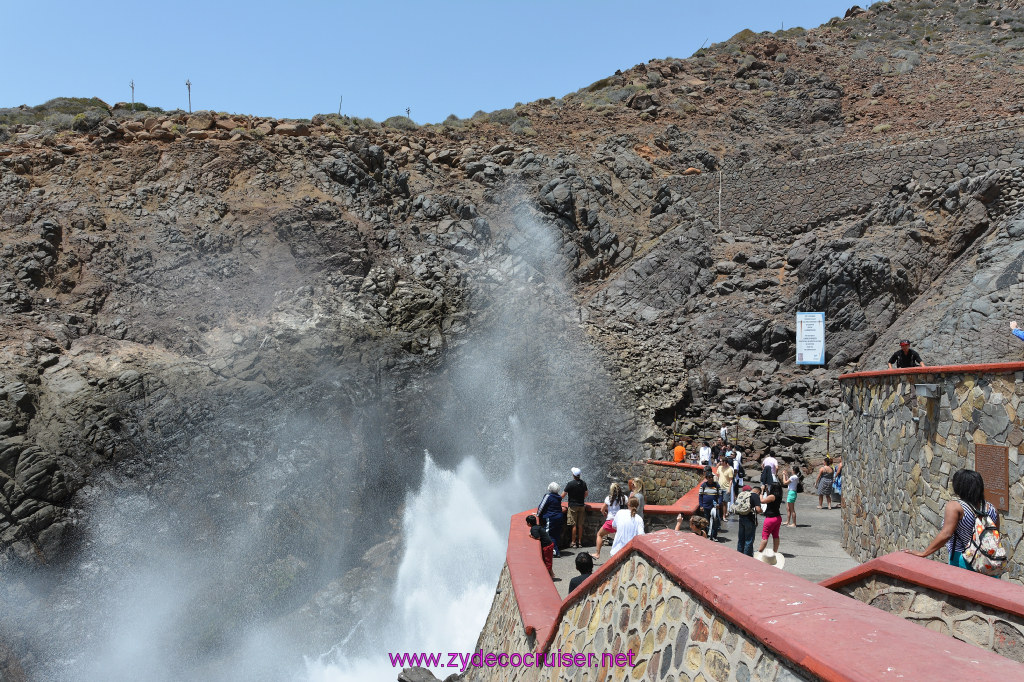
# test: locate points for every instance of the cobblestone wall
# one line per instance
(676, 637)
(673, 635)
(897, 472)
(503, 633)
(983, 627)
(798, 196)
(662, 484)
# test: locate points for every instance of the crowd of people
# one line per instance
(725, 494)
(623, 511)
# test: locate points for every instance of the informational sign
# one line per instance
(993, 463)
(810, 338)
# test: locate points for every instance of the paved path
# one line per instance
(812, 549)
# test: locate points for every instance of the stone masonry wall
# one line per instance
(662, 484)
(897, 472)
(675, 636)
(978, 625)
(794, 197)
(503, 632)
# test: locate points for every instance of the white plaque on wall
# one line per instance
(810, 338)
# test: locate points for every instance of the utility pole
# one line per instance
(407, 112)
(131, 84)
(188, 84)
(340, 99)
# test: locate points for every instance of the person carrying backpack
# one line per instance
(748, 503)
(970, 528)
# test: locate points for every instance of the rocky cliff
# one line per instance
(177, 289)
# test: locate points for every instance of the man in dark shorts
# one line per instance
(576, 491)
(905, 357)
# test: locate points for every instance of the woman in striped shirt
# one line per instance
(958, 524)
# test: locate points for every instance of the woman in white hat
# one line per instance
(549, 511)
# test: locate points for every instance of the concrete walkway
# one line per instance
(812, 549)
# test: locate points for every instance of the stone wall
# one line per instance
(664, 482)
(798, 196)
(675, 636)
(689, 609)
(503, 632)
(969, 622)
(897, 471)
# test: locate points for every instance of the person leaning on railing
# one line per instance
(905, 357)
(958, 523)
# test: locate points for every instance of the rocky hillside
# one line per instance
(165, 276)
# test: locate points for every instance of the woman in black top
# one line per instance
(771, 500)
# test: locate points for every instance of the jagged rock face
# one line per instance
(176, 292)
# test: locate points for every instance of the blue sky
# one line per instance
(295, 58)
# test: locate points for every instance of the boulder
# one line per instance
(200, 120)
(292, 129)
(794, 422)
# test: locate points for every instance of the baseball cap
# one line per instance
(576, 471)
(905, 342)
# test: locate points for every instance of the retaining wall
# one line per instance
(897, 471)
(795, 197)
(687, 608)
(664, 482)
(973, 608)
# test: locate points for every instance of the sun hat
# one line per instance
(776, 559)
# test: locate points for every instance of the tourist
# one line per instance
(723, 433)
(837, 482)
(748, 504)
(576, 490)
(704, 456)
(708, 500)
(679, 453)
(737, 465)
(636, 489)
(768, 468)
(698, 524)
(771, 500)
(538, 532)
(612, 504)
(628, 524)
(585, 565)
(905, 357)
(1019, 333)
(794, 481)
(958, 523)
(550, 512)
(725, 476)
(824, 483)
